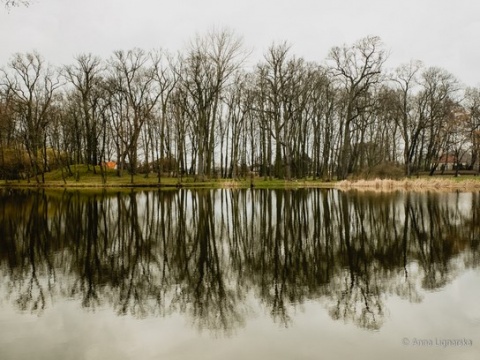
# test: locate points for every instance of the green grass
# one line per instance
(92, 182)
(89, 180)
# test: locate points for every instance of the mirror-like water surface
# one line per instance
(215, 274)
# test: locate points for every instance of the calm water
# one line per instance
(239, 274)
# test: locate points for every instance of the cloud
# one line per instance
(441, 32)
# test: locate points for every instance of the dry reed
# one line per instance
(433, 184)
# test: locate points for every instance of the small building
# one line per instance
(447, 162)
(450, 162)
(109, 164)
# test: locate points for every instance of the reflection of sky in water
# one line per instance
(65, 331)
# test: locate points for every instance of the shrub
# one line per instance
(385, 171)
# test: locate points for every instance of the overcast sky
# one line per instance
(443, 33)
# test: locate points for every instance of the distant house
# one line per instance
(447, 162)
(450, 162)
(109, 164)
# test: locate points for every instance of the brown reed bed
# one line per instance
(421, 184)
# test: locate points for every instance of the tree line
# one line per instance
(204, 113)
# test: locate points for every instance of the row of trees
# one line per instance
(204, 112)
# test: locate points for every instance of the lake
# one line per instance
(239, 274)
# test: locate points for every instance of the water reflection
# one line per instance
(205, 253)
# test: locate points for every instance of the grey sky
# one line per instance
(441, 33)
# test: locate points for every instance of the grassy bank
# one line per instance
(89, 180)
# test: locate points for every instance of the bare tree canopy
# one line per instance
(14, 3)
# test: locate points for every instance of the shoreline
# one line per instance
(383, 185)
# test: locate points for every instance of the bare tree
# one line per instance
(32, 85)
(435, 103)
(133, 77)
(410, 126)
(237, 104)
(208, 67)
(85, 76)
(275, 78)
(167, 79)
(472, 105)
(323, 103)
(358, 68)
(458, 135)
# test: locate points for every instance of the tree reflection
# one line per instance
(206, 253)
